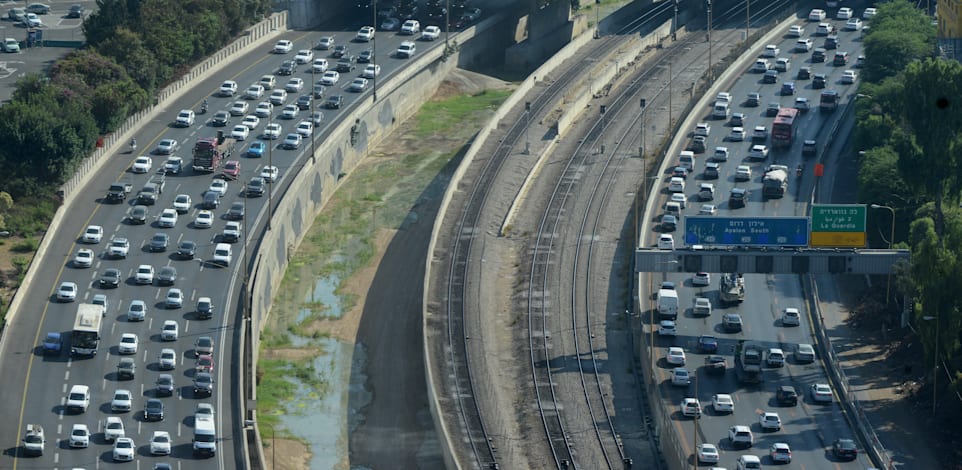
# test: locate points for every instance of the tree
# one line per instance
(900, 34)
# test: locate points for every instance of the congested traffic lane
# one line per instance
(808, 428)
(42, 382)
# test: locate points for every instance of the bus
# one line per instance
(783, 129)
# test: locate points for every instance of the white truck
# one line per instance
(34, 440)
(667, 304)
(85, 337)
(205, 435)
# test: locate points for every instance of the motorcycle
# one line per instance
(133, 145)
(203, 109)
(798, 171)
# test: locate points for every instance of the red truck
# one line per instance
(209, 152)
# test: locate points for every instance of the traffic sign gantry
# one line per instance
(838, 225)
(746, 231)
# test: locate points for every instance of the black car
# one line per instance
(770, 76)
(211, 200)
(831, 42)
(818, 82)
(126, 369)
(818, 55)
(346, 64)
(288, 67)
(76, 11)
(737, 198)
(786, 395)
(334, 102)
(138, 215)
(340, 50)
(154, 410)
(804, 73)
(110, 278)
(845, 449)
(236, 211)
(711, 171)
(159, 242)
(318, 91)
(167, 276)
(221, 119)
(365, 56)
(304, 102)
(165, 385)
(187, 249)
(203, 384)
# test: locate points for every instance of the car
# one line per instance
(305, 129)
(231, 169)
(16, 14)
(186, 249)
(124, 449)
(817, 15)
(680, 172)
(804, 353)
(468, 16)
(204, 219)
(334, 102)
(365, 34)
(703, 129)
(707, 209)
(31, 20)
(771, 76)
(167, 146)
(52, 343)
(254, 92)
(818, 81)
(122, 401)
(786, 395)
(791, 317)
(430, 33)
(390, 24)
(330, 78)
(753, 100)
(159, 242)
(737, 198)
(667, 328)
(406, 50)
(708, 453)
(848, 77)
(79, 436)
(410, 27)
(168, 218)
(782, 64)
(169, 331)
(84, 258)
(228, 88)
(67, 292)
(738, 119)
(669, 223)
(304, 56)
(713, 169)
(869, 13)
(844, 449)
(270, 173)
(666, 242)
(821, 393)
(358, 85)
(844, 13)
(76, 11)
(278, 97)
(737, 134)
(267, 81)
(137, 311)
(174, 298)
(732, 322)
(776, 357)
(256, 149)
(707, 343)
(38, 8)
(144, 274)
(758, 152)
(11, 45)
(167, 359)
(264, 109)
(796, 31)
(769, 421)
(128, 343)
(771, 50)
(203, 384)
(365, 57)
(743, 173)
(92, 234)
(853, 24)
(788, 88)
(294, 85)
(153, 410)
(239, 108)
(760, 66)
(283, 46)
(804, 73)
(317, 118)
(723, 403)
(324, 43)
(273, 131)
(290, 111)
(251, 121)
(160, 443)
(675, 356)
(701, 279)
(371, 71)
(204, 345)
(319, 66)
(232, 232)
(218, 186)
(292, 141)
(772, 109)
(113, 428)
(680, 377)
(78, 400)
(204, 363)
(716, 364)
(740, 437)
(240, 132)
(304, 102)
(110, 278)
(860, 61)
(676, 185)
(340, 50)
(780, 452)
(174, 165)
(690, 407)
(165, 383)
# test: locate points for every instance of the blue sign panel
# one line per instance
(746, 231)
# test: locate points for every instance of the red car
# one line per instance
(232, 169)
(205, 363)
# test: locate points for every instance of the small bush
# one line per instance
(28, 245)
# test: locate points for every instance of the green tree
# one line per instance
(110, 15)
(900, 34)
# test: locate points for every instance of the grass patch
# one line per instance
(441, 117)
(27, 245)
(30, 216)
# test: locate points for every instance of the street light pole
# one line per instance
(711, 72)
(373, 56)
(748, 18)
(888, 282)
(935, 370)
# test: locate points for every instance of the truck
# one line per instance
(205, 436)
(209, 152)
(748, 362)
(85, 337)
(731, 289)
(34, 440)
(160, 179)
(118, 192)
(667, 304)
(775, 181)
(148, 194)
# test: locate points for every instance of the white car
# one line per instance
(853, 24)
(776, 357)
(796, 31)
(283, 46)
(292, 141)
(666, 242)
(122, 401)
(680, 377)
(771, 50)
(320, 66)
(780, 452)
(707, 209)
(723, 403)
(84, 258)
(823, 29)
(330, 78)
(240, 132)
(676, 184)
(263, 109)
(93, 234)
(680, 199)
(270, 173)
(239, 108)
(822, 393)
(254, 92)
(804, 353)
(758, 152)
(251, 121)
(803, 45)
(160, 443)
(101, 300)
(167, 146)
(80, 436)
(267, 81)
(325, 43)
(703, 128)
(218, 186)
(791, 317)
(145, 274)
(848, 77)
(137, 311)
(676, 356)
(743, 173)
(691, 407)
(228, 88)
(406, 50)
(667, 328)
(67, 292)
(358, 85)
(114, 428)
(304, 56)
(702, 306)
(844, 13)
(168, 218)
(761, 66)
(701, 279)
(204, 219)
(175, 298)
(167, 359)
(410, 27)
(290, 111)
(869, 13)
(737, 134)
(124, 449)
(182, 203)
(708, 453)
(169, 331)
(769, 421)
(128, 343)
(817, 15)
(185, 118)
(305, 128)
(365, 34)
(371, 71)
(142, 164)
(430, 33)
(273, 131)
(294, 85)
(278, 97)
(11, 45)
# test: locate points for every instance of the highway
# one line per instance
(37, 385)
(808, 428)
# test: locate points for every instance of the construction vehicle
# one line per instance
(748, 362)
(732, 289)
(85, 337)
(34, 440)
(209, 152)
(775, 181)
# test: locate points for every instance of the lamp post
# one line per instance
(935, 360)
(641, 130)
(373, 57)
(711, 72)
(888, 282)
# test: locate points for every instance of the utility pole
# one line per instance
(748, 18)
(527, 127)
(711, 71)
(373, 53)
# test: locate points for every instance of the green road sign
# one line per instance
(840, 225)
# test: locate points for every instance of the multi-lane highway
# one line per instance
(809, 428)
(37, 385)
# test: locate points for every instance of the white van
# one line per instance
(205, 436)
(720, 110)
(686, 159)
(667, 304)
(673, 208)
(222, 254)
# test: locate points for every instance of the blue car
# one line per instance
(257, 149)
(52, 343)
